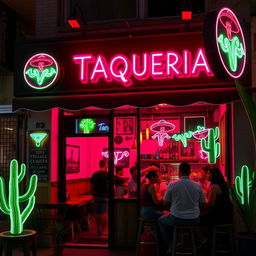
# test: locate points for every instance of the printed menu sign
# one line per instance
(39, 154)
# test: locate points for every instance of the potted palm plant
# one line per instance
(244, 198)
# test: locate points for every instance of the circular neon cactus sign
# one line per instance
(230, 42)
(41, 71)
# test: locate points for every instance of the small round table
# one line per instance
(26, 240)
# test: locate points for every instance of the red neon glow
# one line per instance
(228, 21)
(118, 155)
(158, 65)
(186, 15)
(74, 23)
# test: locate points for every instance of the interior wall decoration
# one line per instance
(72, 158)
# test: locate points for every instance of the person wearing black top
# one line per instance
(219, 208)
(99, 186)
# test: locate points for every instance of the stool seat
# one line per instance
(152, 224)
(190, 231)
(222, 229)
(26, 240)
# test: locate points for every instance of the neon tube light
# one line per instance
(211, 146)
(118, 155)
(230, 43)
(243, 185)
(127, 69)
(161, 128)
(87, 125)
(12, 206)
(41, 71)
(38, 137)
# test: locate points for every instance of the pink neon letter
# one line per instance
(187, 63)
(122, 73)
(83, 60)
(157, 65)
(173, 65)
(200, 64)
(136, 64)
(100, 69)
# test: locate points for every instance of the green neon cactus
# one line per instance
(243, 185)
(212, 147)
(12, 207)
(244, 197)
(234, 50)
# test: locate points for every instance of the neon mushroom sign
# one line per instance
(230, 42)
(41, 71)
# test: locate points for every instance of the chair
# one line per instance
(219, 233)
(152, 225)
(180, 232)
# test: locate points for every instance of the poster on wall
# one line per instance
(72, 158)
(121, 156)
(39, 154)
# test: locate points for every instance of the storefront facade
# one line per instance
(133, 101)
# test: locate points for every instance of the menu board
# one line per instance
(39, 154)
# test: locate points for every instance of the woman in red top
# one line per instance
(149, 198)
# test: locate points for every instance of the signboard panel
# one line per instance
(39, 154)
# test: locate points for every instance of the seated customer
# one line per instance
(132, 183)
(119, 182)
(149, 199)
(219, 209)
(184, 197)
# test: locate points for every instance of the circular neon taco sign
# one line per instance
(41, 71)
(230, 42)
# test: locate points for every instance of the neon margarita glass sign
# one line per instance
(155, 65)
(41, 71)
(230, 43)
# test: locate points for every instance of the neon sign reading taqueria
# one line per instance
(155, 65)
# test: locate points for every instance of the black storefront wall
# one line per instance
(70, 93)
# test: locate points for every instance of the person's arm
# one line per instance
(213, 192)
(152, 192)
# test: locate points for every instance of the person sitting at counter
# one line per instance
(120, 183)
(149, 198)
(184, 197)
(219, 208)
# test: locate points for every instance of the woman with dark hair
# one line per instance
(219, 205)
(149, 198)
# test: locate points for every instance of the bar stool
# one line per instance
(184, 230)
(152, 225)
(218, 231)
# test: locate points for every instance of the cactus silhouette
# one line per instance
(211, 147)
(243, 185)
(12, 206)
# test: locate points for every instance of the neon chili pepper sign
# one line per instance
(230, 43)
(41, 71)
(156, 65)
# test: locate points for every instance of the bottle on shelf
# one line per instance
(157, 154)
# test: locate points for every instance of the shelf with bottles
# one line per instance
(168, 153)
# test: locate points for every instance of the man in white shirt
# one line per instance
(184, 197)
